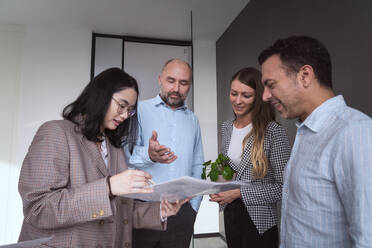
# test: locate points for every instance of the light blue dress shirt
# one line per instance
(177, 129)
(327, 194)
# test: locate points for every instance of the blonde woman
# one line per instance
(258, 150)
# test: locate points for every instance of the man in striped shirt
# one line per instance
(327, 192)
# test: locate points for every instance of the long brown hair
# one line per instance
(262, 114)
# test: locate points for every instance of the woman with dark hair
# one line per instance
(75, 168)
(258, 150)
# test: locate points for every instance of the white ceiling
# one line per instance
(169, 19)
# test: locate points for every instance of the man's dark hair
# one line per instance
(89, 109)
(297, 51)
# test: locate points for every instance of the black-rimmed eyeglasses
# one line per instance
(130, 110)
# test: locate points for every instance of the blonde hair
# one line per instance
(258, 157)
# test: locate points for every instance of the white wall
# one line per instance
(205, 107)
(55, 68)
(43, 69)
(11, 38)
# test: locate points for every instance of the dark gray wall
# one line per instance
(344, 26)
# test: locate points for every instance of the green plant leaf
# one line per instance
(227, 173)
(217, 168)
(214, 166)
(203, 175)
(213, 175)
(207, 163)
(224, 158)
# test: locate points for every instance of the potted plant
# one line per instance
(218, 169)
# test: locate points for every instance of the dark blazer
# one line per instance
(261, 197)
(65, 192)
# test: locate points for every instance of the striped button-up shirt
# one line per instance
(327, 194)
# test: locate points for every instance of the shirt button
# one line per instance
(125, 221)
(94, 215)
(101, 222)
(127, 244)
(101, 212)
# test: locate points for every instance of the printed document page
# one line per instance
(184, 187)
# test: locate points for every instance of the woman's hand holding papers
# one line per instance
(131, 181)
(225, 197)
(169, 209)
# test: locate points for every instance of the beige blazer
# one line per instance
(65, 193)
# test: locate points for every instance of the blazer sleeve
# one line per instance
(48, 202)
(261, 192)
(147, 215)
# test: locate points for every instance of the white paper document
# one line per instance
(28, 244)
(184, 187)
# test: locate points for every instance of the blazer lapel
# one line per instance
(228, 137)
(113, 158)
(95, 155)
(246, 157)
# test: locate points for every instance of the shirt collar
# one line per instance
(318, 118)
(158, 101)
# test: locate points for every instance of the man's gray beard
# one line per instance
(168, 102)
